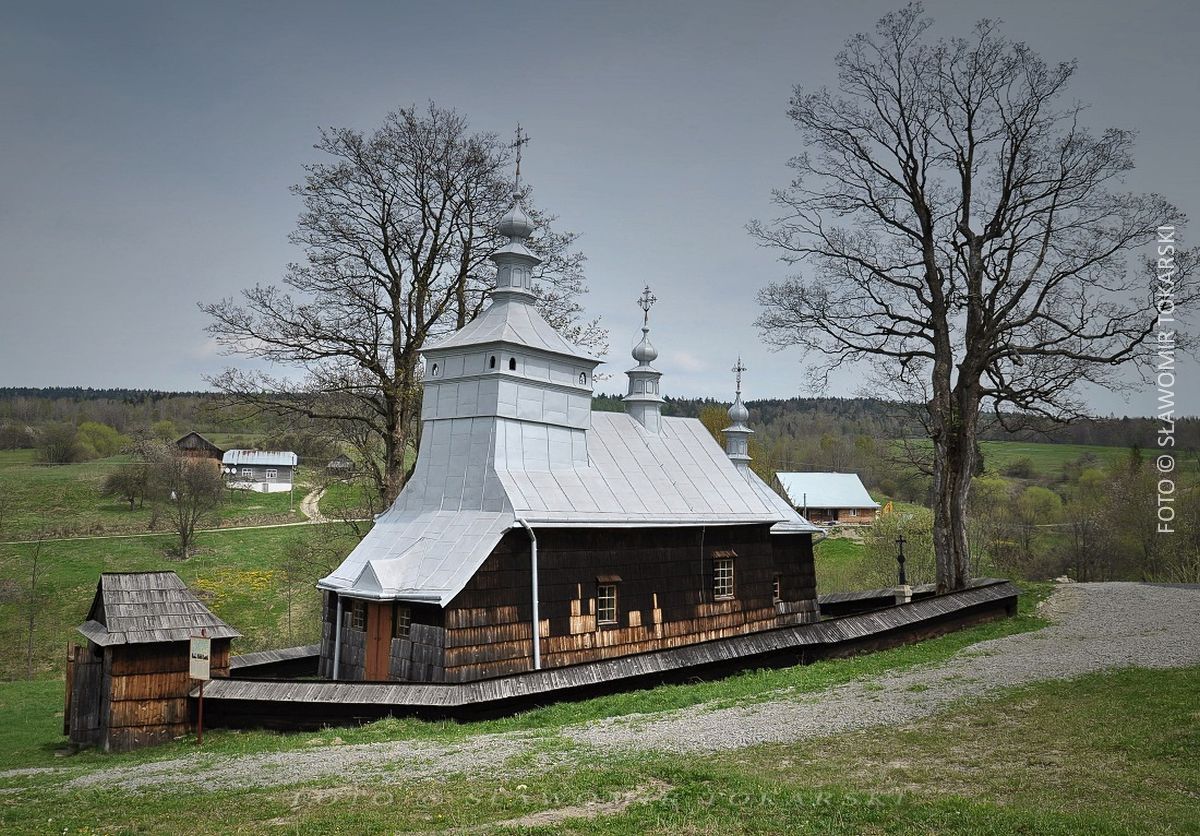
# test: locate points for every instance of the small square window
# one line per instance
(247, 472)
(401, 622)
(723, 577)
(606, 603)
(272, 473)
(775, 596)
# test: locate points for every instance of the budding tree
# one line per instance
(961, 231)
(396, 229)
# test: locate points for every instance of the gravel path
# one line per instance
(1097, 626)
(310, 506)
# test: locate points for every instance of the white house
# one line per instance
(266, 471)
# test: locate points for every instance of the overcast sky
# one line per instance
(146, 150)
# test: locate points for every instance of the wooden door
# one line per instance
(379, 640)
(85, 682)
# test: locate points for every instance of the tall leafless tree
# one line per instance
(396, 229)
(964, 234)
(188, 488)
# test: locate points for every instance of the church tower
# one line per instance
(737, 436)
(643, 401)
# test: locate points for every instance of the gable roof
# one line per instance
(143, 607)
(271, 458)
(204, 443)
(826, 490)
(430, 543)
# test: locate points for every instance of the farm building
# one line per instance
(535, 533)
(341, 465)
(830, 497)
(197, 446)
(128, 686)
(266, 471)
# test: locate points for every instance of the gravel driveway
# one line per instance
(1096, 626)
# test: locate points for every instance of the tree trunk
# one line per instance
(953, 467)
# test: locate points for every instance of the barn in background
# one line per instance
(128, 685)
(833, 498)
(197, 446)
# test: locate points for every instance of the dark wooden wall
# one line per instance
(126, 696)
(665, 599)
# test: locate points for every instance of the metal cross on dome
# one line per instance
(738, 369)
(522, 139)
(646, 302)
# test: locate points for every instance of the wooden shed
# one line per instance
(197, 446)
(128, 685)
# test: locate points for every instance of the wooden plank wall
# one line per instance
(145, 692)
(665, 595)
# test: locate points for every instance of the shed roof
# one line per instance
(826, 490)
(273, 458)
(145, 607)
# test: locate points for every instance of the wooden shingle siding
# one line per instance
(664, 579)
(295, 705)
(665, 600)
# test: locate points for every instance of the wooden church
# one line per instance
(537, 533)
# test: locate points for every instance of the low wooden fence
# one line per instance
(281, 704)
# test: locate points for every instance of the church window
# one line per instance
(606, 603)
(358, 615)
(401, 622)
(723, 578)
(583, 378)
(492, 362)
(434, 370)
(512, 364)
(775, 596)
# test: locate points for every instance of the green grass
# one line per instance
(1106, 753)
(346, 497)
(66, 501)
(1048, 459)
(240, 574)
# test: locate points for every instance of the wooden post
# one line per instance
(200, 717)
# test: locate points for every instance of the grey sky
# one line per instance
(146, 152)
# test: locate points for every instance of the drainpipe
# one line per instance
(533, 568)
(337, 637)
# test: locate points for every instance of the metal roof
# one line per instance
(512, 321)
(447, 520)
(276, 458)
(826, 490)
(144, 607)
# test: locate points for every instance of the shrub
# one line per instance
(1021, 468)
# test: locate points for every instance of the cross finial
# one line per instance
(646, 302)
(737, 370)
(522, 139)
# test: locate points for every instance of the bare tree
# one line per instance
(396, 230)
(189, 489)
(963, 233)
(33, 601)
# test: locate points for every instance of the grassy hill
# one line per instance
(66, 501)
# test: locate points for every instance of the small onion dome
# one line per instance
(738, 413)
(515, 223)
(644, 352)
